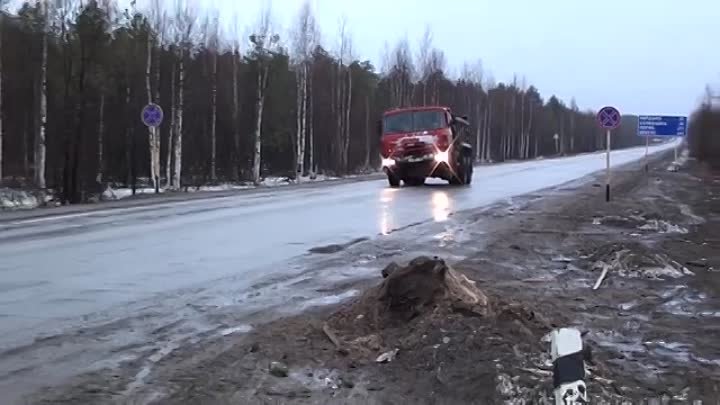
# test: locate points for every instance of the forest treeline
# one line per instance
(76, 75)
(704, 129)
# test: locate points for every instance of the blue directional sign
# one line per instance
(152, 115)
(662, 125)
(609, 117)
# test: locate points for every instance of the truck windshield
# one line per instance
(412, 121)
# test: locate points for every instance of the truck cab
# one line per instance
(421, 142)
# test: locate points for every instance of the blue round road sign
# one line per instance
(152, 115)
(609, 117)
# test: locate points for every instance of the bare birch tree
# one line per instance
(489, 86)
(2, 20)
(173, 125)
(156, 35)
(575, 111)
(184, 28)
(398, 69)
(213, 48)
(304, 39)
(474, 75)
(264, 42)
(40, 151)
(347, 40)
(522, 134)
(154, 169)
(235, 99)
(310, 126)
(425, 47)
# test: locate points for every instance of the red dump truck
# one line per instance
(421, 142)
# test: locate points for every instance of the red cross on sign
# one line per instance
(609, 117)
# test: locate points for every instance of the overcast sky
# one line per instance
(642, 56)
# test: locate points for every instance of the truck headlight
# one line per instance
(442, 157)
(387, 162)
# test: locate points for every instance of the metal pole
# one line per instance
(676, 157)
(607, 168)
(647, 147)
(156, 169)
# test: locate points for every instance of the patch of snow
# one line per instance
(222, 187)
(712, 314)
(275, 181)
(662, 226)
(680, 162)
(631, 264)
(236, 329)
(687, 211)
(17, 199)
(317, 379)
(329, 300)
(284, 181)
(684, 302)
(139, 379)
(111, 194)
(628, 305)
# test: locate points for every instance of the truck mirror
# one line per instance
(461, 120)
(378, 128)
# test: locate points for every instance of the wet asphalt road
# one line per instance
(71, 265)
(60, 271)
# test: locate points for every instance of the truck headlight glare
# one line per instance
(387, 162)
(442, 157)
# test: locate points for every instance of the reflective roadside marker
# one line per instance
(568, 367)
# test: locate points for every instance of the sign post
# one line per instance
(152, 116)
(556, 137)
(647, 153)
(609, 119)
(656, 126)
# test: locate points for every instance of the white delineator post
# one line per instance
(607, 168)
(566, 350)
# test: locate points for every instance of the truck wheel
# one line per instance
(393, 180)
(469, 171)
(459, 177)
(415, 181)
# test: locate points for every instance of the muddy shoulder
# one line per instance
(476, 332)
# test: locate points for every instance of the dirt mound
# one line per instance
(424, 286)
(415, 302)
